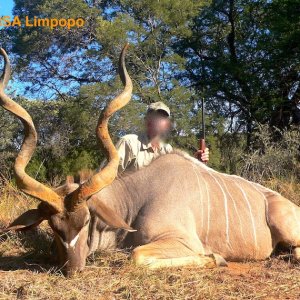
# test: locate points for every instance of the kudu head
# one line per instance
(66, 209)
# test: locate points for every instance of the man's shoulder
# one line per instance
(130, 137)
(132, 140)
(167, 148)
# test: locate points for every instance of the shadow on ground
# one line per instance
(30, 250)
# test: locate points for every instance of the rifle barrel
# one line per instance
(203, 118)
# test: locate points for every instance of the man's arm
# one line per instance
(168, 148)
(201, 155)
(125, 154)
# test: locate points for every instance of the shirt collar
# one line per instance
(146, 144)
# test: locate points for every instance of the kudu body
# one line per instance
(185, 212)
(182, 211)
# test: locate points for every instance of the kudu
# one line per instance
(183, 211)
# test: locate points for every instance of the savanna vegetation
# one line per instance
(242, 57)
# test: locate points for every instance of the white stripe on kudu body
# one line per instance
(208, 211)
(266, 200)
(235, 209)
(225, 200)
(201, 197)
(236, 213)
(250, 212)
(194, 211)
(226, 195)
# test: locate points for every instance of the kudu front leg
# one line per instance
(173, 253)
(284, 220)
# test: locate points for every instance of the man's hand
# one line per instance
(202, 155)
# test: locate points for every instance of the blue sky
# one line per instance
(15, 87)
(6, 7)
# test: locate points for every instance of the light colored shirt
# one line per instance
(135, 152)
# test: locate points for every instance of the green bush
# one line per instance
(274, 154)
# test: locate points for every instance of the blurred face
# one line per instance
(157, 125)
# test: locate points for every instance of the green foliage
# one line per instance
(271, 158)
(37, 169)
(79, 161)
(66, 131)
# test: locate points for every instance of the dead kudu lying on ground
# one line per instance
(182, 211)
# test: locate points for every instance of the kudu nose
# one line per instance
(70, 272)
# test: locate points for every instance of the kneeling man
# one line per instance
(139, 150)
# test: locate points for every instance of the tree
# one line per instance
(231, 55)
(241, 56)
(85, 59)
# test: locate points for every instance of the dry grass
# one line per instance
(27, 272)
(113, 276)
(290, 189)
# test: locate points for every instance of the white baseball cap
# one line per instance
(156, 106)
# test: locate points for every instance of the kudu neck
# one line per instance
(126, 196)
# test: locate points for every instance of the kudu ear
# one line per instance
(27, 220)
(108, 216)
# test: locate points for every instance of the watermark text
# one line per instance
(16, 21)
